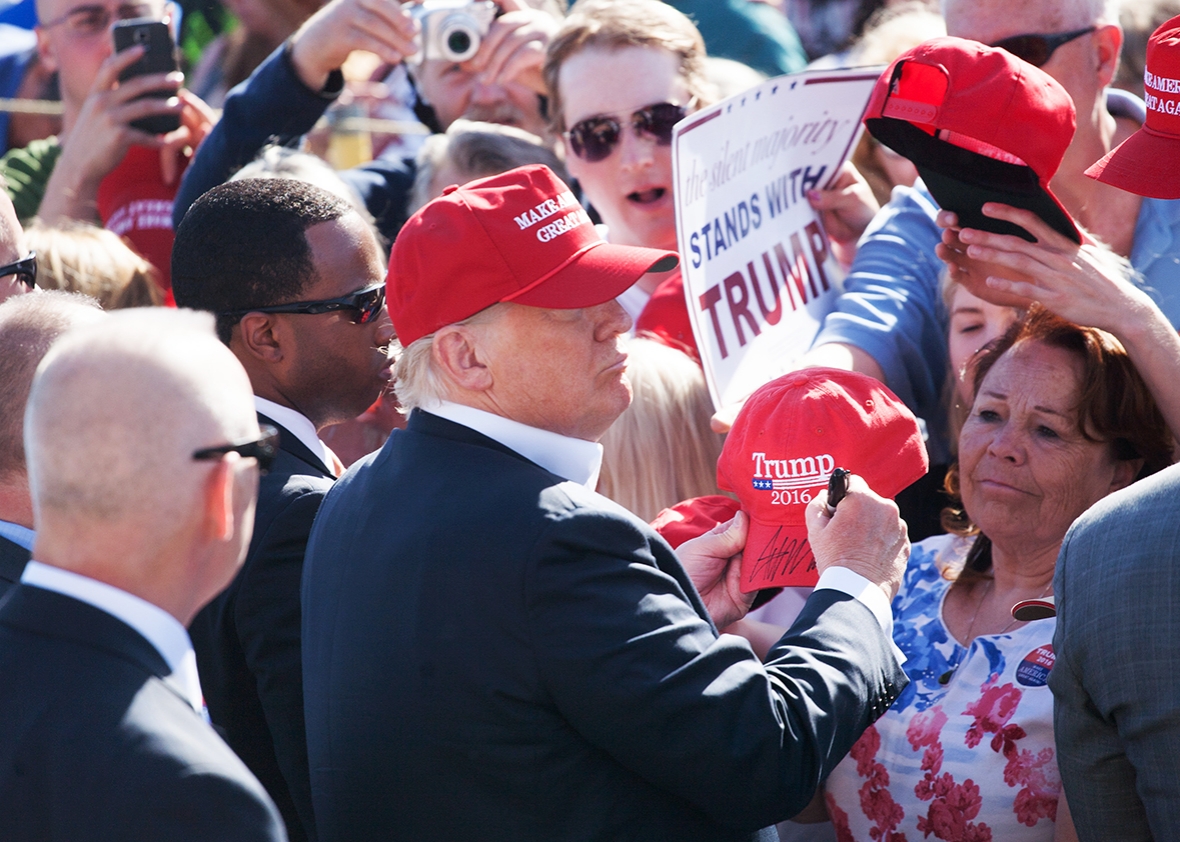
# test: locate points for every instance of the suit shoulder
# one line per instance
(1141, 510)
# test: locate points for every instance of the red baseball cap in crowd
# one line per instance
(1148, 162)
(518, 236)
(693, 517)
(785, 443)
(981, 125)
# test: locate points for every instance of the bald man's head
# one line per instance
(117, 409)
(29, 324)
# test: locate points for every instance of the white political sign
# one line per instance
(758, 273)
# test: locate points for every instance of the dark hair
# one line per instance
(243, 245)
(1115, 406)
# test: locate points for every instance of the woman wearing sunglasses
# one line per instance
(621, 74)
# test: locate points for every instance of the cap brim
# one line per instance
(963, 181)
(596, 275)
(1145, 163)
(777, 555)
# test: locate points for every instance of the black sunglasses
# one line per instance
(595, 138)
(366, 302)
(264, 448)
(1038, 49)
(25, 269)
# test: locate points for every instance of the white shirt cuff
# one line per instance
(865, 592)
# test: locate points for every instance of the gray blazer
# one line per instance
(1116, 683)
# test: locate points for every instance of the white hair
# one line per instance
(417, 380)
(1074, 12)
(116, 410)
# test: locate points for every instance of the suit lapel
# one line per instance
(290, 443)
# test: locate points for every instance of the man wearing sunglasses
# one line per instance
(296, 280)
(291, 90)
(143, 486)
(890, 321)
(28, 326)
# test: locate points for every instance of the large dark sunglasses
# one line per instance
(1038, 49)
(366, 302)
(264, 448)
(25, 270)
(595, 138)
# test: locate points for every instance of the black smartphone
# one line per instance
(159, 57)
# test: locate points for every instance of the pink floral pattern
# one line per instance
(969, 761)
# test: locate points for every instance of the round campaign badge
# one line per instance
(1034, 669)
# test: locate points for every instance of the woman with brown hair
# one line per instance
(1061, 418)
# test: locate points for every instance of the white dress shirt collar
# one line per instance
(161, 629)
(297, 424)
(20, 535)
(573, 459)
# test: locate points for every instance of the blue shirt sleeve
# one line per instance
(892, 310)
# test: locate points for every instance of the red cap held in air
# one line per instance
(981, 125)
(518, 236)
(785, 443)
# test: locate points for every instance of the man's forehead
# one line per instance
(48, 10)
(989, 21)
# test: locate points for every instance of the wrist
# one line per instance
(323, 81)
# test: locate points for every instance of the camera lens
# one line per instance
(459, 42)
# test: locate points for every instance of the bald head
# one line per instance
(29, 324)
(118, 407)
(12, 246)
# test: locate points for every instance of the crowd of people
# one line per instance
(391, 503)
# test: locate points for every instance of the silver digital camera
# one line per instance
(452, 30)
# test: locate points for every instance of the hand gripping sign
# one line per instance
(758, 275)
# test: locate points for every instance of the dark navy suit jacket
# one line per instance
(493, 653)
(247, 639)
(97, 744)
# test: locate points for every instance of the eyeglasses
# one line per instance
(366, 302)
(91, 20)
(595, 138)
(1038, 49)
(25, 270)
(264, 448)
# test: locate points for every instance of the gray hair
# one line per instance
(417, 380)
(1074, 12)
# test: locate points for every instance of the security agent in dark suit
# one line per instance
(296, 280)
(143, 454)
(28, 326)
(493, 651)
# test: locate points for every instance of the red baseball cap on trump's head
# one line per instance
(785, 443)
(981, 125)
(1148, 162)
(518, 236)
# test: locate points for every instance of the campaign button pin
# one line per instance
(1034, 669)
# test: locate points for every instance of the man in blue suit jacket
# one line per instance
(494, 651)
(295, 278)
(140, 437)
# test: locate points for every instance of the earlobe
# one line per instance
(1125, 471)
(456, 351)
(219, 502)
(1110, 41)
(45, 51)
(260, 336)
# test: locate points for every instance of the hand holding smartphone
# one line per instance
(159, 57)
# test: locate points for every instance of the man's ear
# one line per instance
(456, 351)
(218, 500)
(45, 50)
(1109, 40)
(261, 336)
